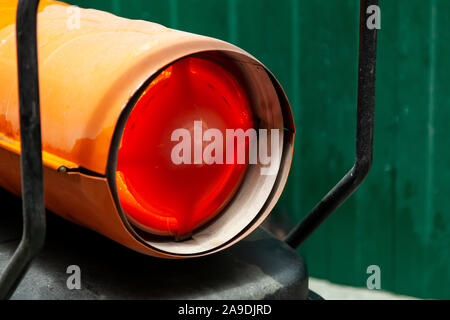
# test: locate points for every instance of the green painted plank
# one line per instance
(437, 222)
(327, 128)
(106, 5)
(413, 62)
(195, 15)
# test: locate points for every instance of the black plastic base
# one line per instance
(260, 267)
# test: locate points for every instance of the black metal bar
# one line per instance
(364, 137)
(34, 226)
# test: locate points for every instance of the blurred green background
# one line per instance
(399, 218)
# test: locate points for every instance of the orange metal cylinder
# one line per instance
(90, 71)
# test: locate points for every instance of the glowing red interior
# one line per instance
(158, 195)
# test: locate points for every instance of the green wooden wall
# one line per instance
(399, 219)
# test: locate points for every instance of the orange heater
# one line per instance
(152, 137)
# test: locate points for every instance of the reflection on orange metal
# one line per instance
(88, 74)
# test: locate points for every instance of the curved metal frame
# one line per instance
(34, 226)
(364, 137)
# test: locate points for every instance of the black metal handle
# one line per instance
(34, 226)
(364, 137)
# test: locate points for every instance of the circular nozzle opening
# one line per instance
(201, 153)
(175, 170)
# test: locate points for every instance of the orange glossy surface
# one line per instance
(8, 9)
(158, 195)
(87, 74)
